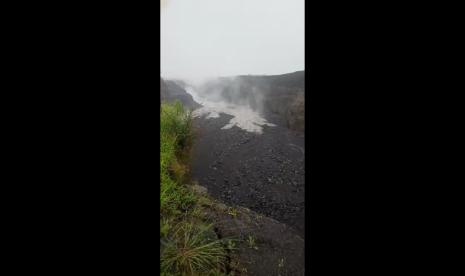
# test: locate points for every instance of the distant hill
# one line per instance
(290, 80)
(281, 98)
(171, 91)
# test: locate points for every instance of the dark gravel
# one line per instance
(262, 172)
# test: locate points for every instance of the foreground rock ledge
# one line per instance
(264, 246)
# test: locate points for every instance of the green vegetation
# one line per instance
(175, 136)
(188, 245)
(232, 212)
(251, 242)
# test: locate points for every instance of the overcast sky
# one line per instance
(209, 38)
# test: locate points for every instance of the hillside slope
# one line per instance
(280, 98)
(171, 91)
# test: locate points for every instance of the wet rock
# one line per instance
(261, 175)
(221, 207)
(200, 190)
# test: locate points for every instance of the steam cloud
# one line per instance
(244, 116)
(202, 40)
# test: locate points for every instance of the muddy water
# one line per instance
(246, 160)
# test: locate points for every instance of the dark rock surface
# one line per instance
(262, 172)
(170, 91)
(263, 245)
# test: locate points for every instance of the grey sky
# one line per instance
(208, 38)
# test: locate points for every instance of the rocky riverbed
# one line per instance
(261, 171)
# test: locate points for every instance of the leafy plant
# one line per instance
(232, 212)
(251, 242)
(231, 245)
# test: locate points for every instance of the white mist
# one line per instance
(243, 116)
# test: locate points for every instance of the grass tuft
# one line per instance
(188, 246)
(191, 249)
